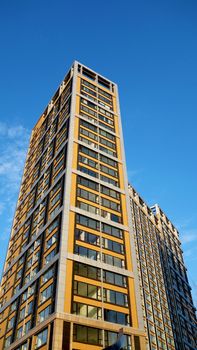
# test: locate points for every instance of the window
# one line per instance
(41, 338)
(88, 125)
(58, 164)
(108, 180)
(84, 88)
(54, 225)
(107, 135)
(65, 110)
(25, 234)
(117, 298)
(89, 104)
(87, 271)
(111, 245)
(27, 327)
(51, 240)
(104, 93)
(112, 260)
(13, 306)
(19, 333)
(86, 83)
(86, 252)
(37, 243)
(108, 161)
(110, 230)
(11, 322)
(85, 221)
(24, 346)
(34, 271)
(116, 317)
(87, 110)
(114, 278)
(87, 335)
(54, 211)
(111, 338)
(88, 152)
(87, 310)
(44, 314)
(110, 192)
(47, 275)
(87, 207)
(66, 93)
(87, 237)
(16, 289)
(109, 204)
(8, 342)
(87, 161)
(24, 296)
(21, 260)
(87, 183)
(55, 199)
(62, 135)
(102, 98)
(19, 274)
(103, 111)
(105, 119)
(107, 143)
(104, 104)
(88, 142)
(107, 150)
(30, 308)
(87, 95)
(89, 134)
(56, 187)
(27, 278)
(22, 314)
(87, 290)
(50, 256)
(108, 171)
(87, 195)
(106, 126)
(46, 293)
(87, 171)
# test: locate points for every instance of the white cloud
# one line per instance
(12, 131)
(3, 129)
(1, 208)
(188, 236)
(188, 253)
(13, 148)
(132, 172)
(184, 223)
(16, 131)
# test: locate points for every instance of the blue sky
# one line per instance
(150, 49)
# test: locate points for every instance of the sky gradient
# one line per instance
(150, 49)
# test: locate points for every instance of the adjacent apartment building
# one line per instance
(168, 309)
(70, 277)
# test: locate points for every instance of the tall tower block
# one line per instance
(70, 275)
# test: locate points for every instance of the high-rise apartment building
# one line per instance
(168, 309)
(153, 292)
(182, 310)
(70, 276)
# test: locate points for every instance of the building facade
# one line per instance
(168, 309)
(70, 277)
(156, 314)
(182, 310)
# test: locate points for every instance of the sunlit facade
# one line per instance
(70, 275)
